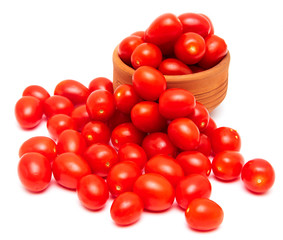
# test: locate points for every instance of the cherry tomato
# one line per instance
(176, 103)
(118, 118)
(215, 50)
(200, 116)
(211, 126)
(172, 66)
(194, 162)
(122, 176)
(208, 19)
(227, 165)
(196, 69)
(58, 123)
(101, 158)
(73, 90)
(126, 133)
(71, 141)
(149, 83)
(224, 138)
(57, 104)
(43, 145)
(258, 175)
(28, 112)
(96, 132)
(126, 209)
(156, 192)
(158, 143)
(190, 48)
(101, 83)
(34, 171)
(68, 168)
(125, 98)
(80, 116)
(191, 187)
(36, 91)
(184, 134)
(204, 145)
(92, 191)
(127, 46)
(204, 214)
(138, 34)
(165, 166)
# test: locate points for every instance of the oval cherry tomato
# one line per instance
(204, 145)
(211, 126)
(28, 112)
(190, 48)
(191, 187)
(43, 145)
(92, 191)
(118, 118)
(204, 214)
(101, 83)
(258, 175)
(208, 19)
(172, 66)
(36, 91)
(57, 104)
(126, 209)
(80, 116)
(138, 34)
(200, 116)
(34, 171)
(176, 103)
(68, 168)
(155, 191)
(149, 83)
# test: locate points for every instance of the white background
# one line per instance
(44, 42)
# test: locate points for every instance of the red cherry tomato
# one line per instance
(208, 19)
(58, 123)
(28, 112)
(194, 162)
(92, 191)
(158, 143)
(211, 126)
(34, 171)
(122, 176)
(36, 91)
(57, 104)
(204, 214)
(216, 49)
(149, 83)
(138, 34)
(96, 132)
(80, 116)
(155, 191)
(126, 133)
(71, 141)
(146, 117)
(176, 103)
(127, 46)
(200, 116)
(204, 145)
(101, 83)
(172, 66)
(258, 175)
(126, 209)
(224, 138)
(227, 165)
(125, 98)
(191, 187)
(190, 48)
(184, 134)
(43, 145)
(101, 158)
(165, 166)
(68, 168)
(118, 118)
(100, 105)
(196, 69)
(76, 92)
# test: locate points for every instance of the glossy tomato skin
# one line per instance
(92, 191)
(28, 112)
(176, 103)
(211, 126)
(80, 116)
(101, 83)
(258, 175)
(204, 214)
(165, 166)
(36, 91)
(100, 105)
(156, 192)
(191, 187)
(138, 34)
(57, 105)
(184, 134)
(227, 165)
(204, 145)
(147, 118)
(200, 116)
(34, 171)
(126, 209)
(68, 168)
(76, 92)
(149, 83)
(173, 66)
(122, 176)
(40, 144)
(101, 158)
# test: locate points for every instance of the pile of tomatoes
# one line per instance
(174, 45)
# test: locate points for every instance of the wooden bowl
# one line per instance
(209, 87)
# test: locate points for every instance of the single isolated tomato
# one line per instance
(173, 66)
(80, 116)
(36, 91)
(57, 105)
(200, 116)
(101, 83)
